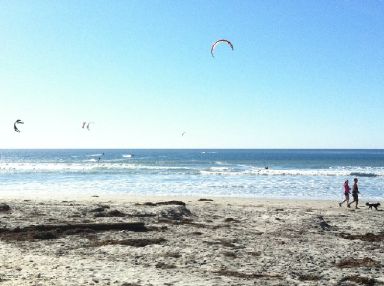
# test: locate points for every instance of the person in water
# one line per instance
(355, 193)
(347, 190)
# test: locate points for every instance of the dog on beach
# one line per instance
(370, 205)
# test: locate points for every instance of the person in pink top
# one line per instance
(347, 190)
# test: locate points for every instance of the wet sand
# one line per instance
(217, 241)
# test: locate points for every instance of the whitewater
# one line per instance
(290, 174)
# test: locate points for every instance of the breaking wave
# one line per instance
(121, 165)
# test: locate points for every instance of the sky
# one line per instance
(303, 74)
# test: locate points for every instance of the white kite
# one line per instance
(215, 44)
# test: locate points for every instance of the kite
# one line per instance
(18, 121)
(215, 44)
(88, 125)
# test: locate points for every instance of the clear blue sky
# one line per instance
(303, 74)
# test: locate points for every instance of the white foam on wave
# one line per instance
(158, 180)
(86, 165)
(93, 164)
(343, 172)
(95, 155)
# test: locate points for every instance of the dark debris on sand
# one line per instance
(370, 237)
(103, 211)
(176, 213)
(50, 231)
(230, 273)
(223, 242)
(354, 262)
(4, 207)
(163, 265)
(230, 219)
(139, 242)
(323, 224)
(359, 280)
(178, 203)
(100, 208)
(309, 277)
(113, 213)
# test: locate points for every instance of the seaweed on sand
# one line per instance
(360, 280)
(136, 242)
(370, 237)
(353, 262)
(231, 273)
(178, 203)
(54, 231)
(309, 277)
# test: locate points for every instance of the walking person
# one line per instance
(355, 193)
(347, 190)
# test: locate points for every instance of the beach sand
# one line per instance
(218, 241)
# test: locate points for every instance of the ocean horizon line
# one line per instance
(200, 148)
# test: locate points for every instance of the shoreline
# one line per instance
(117, 198)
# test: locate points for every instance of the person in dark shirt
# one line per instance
(355, 193)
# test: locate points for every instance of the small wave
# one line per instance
(358, 174)
(127, 155)
(124, 164)
(95, 155)
(254, 171)
(92, 165)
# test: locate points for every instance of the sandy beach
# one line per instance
(188, 241)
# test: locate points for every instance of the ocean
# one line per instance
(290, 174)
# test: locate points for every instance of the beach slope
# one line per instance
(189, 241)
